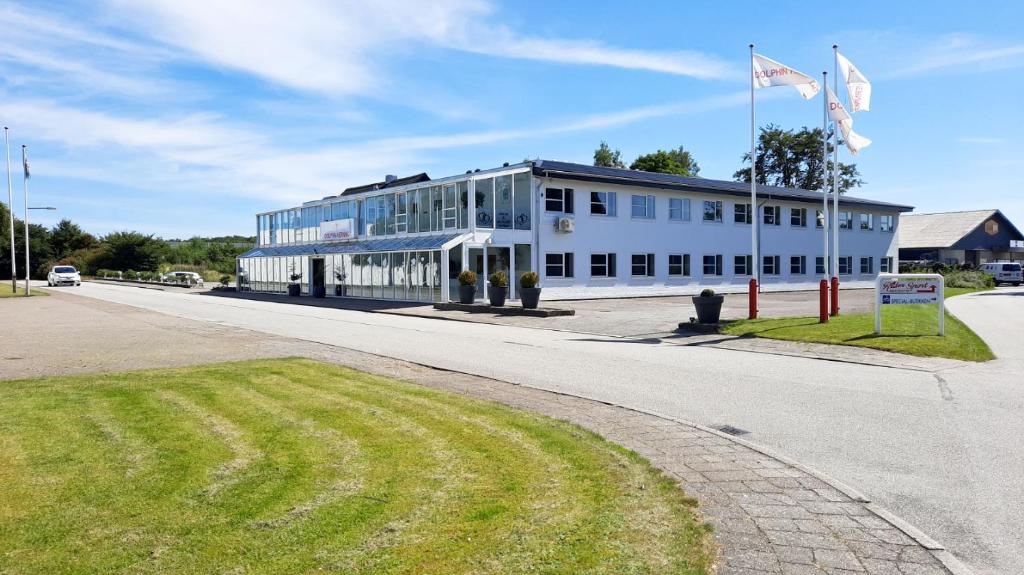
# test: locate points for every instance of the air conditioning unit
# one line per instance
(565, 225)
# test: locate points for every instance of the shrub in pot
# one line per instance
(340, 288)
(294, 289)
(709, 306)
(498, 290)
(529, 293)
(467, 286)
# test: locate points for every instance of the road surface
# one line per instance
(942, 450)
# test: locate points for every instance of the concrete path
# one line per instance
(941, 449)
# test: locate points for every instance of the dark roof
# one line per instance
(353, 247)
(586, 173)
(415, 179)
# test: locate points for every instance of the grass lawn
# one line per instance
(5, 290)
(909, 329)
(294, 466)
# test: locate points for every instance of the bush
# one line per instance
(969, 279)
(131, 275)
(467, 278)
(529, 280)
(707, 292)
(499, 279)
(225, 280)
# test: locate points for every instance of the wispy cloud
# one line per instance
(980, 140)
(963, 53)
(341, 48)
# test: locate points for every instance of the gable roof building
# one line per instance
(969, 237)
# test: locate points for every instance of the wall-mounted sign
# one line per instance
(335, 230)
(899, 289)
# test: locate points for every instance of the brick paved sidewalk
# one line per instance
(770, 515)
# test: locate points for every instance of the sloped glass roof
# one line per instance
(413, 243)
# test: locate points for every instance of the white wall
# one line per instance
(625, 236)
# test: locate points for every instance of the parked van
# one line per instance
(1004, 272)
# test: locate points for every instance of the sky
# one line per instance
(182, 118)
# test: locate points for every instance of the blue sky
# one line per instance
(180, 117)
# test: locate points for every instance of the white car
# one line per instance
(63, 276)
(1004, 272)
(193, 278)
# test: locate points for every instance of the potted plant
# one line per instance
(709, 306)
(529, 293)
(498, 290)
(467, 286)
(294, 288)
(340, 288)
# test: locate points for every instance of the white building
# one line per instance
(588, 231)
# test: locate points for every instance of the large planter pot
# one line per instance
(319, 291)
(340, 290)
(294, 290)
(709, 309)
(467, 294)
(497, 295)
(530, 297)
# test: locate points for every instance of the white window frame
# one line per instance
(608, 265)
(776, 213)
(746, 211)
(648, 265)
(716, 263)
(820, 265)
(870, 222)
(886, 263)
(776, 262)
(801, 265)
(679, 209)
(648, 206)
(683, 265)
(845, 262)
(548, 198)
(802, 219)
(819, 219)
(848, 224)
(887, 223)
(562, 265)
(748, 265)
(870, 260)
(609, 202)
(717, 205)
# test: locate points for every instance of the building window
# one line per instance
(772, 215)
(712, 211)
(558, 265)
(845, 265)
(867, 221)
(602, 265)
(819, 265)
(867, 265)
(819, 219)
(603, 204)
(679, 209)
(743, 265)
(845, 220)
(643, 265)
(741, 213)
(558, 200)
(713, 265)
(798, 265)
(643, 207)
(679, 264)
(886, 223)
(798, 217)
(885, 263)
(770, 265)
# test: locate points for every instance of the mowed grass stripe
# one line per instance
(355, 474)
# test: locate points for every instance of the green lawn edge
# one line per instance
(5, 290)
(112, 473)
(909, 330)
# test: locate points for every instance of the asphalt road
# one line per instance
(942, 450)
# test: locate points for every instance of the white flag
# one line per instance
(768, 72)
(854, 141)
(857, 86)
(836, 112)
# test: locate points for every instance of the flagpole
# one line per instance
(824, 182)
(10, 204)
(27, 266)
(753, 179)
(835, 189)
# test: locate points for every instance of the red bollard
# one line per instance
(823, 301)
(753, 299)
(835, 296)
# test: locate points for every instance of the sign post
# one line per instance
(905, 289)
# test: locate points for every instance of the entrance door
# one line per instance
(319, 284)
(476, 263)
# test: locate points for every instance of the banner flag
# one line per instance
(768, 72)
(857, 86)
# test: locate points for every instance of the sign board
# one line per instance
(335, 230)
(901, 289)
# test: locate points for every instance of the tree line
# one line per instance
(786, 158)
(66, 243)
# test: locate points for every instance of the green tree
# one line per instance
(794, 160)
(606, 157)
(67, 237)
(678, 161)
(134, 251)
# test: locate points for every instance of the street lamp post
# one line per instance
(27, 267)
